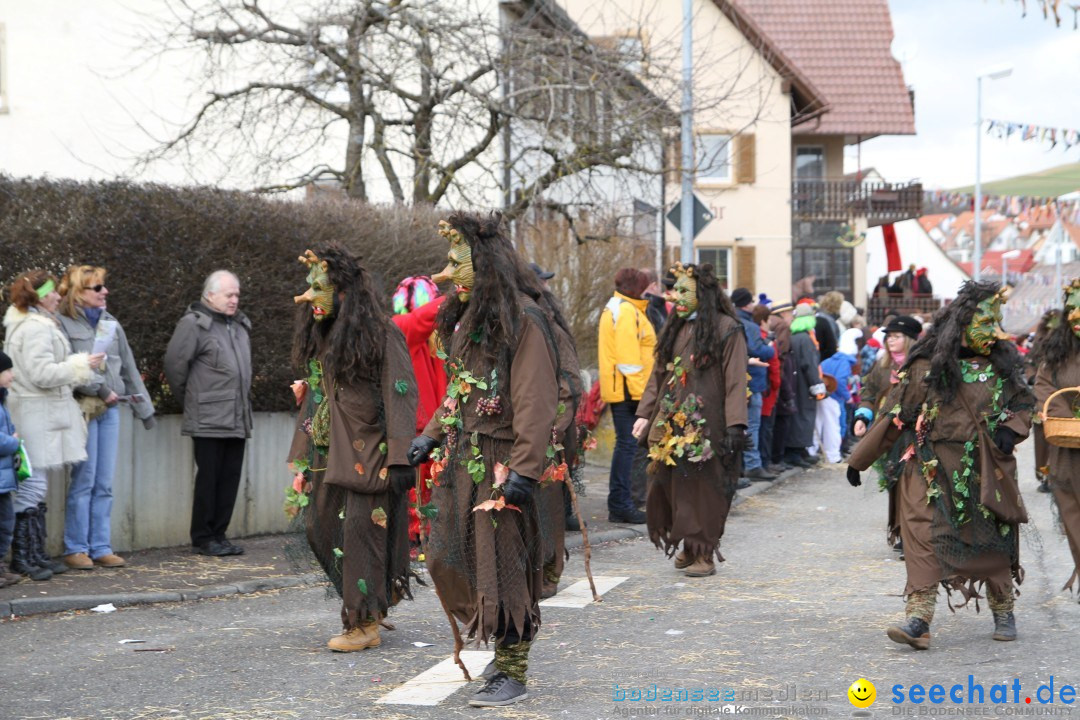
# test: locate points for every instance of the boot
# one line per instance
(1004, 626)
(8, 578)
(682, 560)
(914, 632)
(702, 566)
(37, 516)
(363, 636)
(22, 545)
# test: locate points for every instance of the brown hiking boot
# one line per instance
(363, 636)
(110, 561)
(78, 561)
(701, 567)
(914, 632)
(8, 578)
(682, 561)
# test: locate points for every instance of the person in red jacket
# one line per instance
(416, 302)
(761, 316)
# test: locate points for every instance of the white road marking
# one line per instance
(579, 595)
(436, 684)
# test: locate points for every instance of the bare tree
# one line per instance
(426, 101)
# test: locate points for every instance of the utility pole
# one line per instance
(686, 247)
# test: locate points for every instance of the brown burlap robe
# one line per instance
(934, 550)
(371, 426)
(688, 503)
(487, 565)
(1064, 462)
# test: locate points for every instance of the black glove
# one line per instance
(401, 479)
(737, 439)
(518, 490)
(419, 449)
(1005, 439)
(853, 477)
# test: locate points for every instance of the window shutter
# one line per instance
(745, 267)
(745, 171)
(672, 160)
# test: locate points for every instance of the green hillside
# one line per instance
(1045, 183)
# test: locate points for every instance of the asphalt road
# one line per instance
(800, 607)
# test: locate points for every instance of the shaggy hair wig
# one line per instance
(712, 303)
(943, 342)
(350, 342)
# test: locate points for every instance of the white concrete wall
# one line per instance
(155, 480)
(915, 247)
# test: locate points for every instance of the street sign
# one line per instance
(702, 216)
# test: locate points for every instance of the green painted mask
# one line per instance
(985, 327)
(320, 292)
(685, 293)
(459, 268)
(1072, 306)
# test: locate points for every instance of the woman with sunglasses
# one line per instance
(89, 326)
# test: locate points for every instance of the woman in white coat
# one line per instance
(41, 404)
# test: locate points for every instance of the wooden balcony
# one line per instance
(843, 200)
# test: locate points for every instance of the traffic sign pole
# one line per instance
(686, 247)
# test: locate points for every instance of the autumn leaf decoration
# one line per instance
(498, 503)
(300, 388)
(378, 516)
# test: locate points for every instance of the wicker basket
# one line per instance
(1062, 432)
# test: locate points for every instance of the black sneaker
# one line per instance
(914, 632)
(742, 484)
(501, 689)
(632, 516)
(760, 474)
(1004, 626)
(572, 524)
(213, 548)
(233, 549)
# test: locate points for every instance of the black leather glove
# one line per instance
(1005, 439)
(518, 489)
(401, 479)
(419, 449)
(853, 477)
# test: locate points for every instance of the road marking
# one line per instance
(579, 595)
(436, 684)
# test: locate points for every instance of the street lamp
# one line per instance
(994, 74)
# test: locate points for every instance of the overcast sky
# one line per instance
(947, 43)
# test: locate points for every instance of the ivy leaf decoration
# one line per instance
(401, 387)
(382, 448)
(338, 553)
(361, 584)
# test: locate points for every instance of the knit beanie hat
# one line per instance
(5, 362)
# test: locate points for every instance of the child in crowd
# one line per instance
(9, 446)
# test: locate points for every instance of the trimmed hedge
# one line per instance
(159, 243)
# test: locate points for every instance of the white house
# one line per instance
(916, 247)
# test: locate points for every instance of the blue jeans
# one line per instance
(751, 456)
(87, 518)
(622, 459)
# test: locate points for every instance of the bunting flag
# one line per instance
(892, 248)
(1007, 205)
(1050, 136)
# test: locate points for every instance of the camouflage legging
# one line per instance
(513, 660)
(921, 603)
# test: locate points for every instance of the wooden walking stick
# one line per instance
(584, 540)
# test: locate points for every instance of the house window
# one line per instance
(3, 71)
(720, 260)
(714, 158)
(809, 163)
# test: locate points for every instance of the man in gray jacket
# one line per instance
(208, 364)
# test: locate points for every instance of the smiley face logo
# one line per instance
(862, 693)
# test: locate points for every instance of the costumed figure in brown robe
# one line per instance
(1060, 368)
(960, 406)
(349, 453)
(1032, 361)
(693, 416)
(495, 426)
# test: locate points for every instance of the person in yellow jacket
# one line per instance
(627, 343)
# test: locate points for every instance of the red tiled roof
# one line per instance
(843, 47)
(991, 262)
(929, 222)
